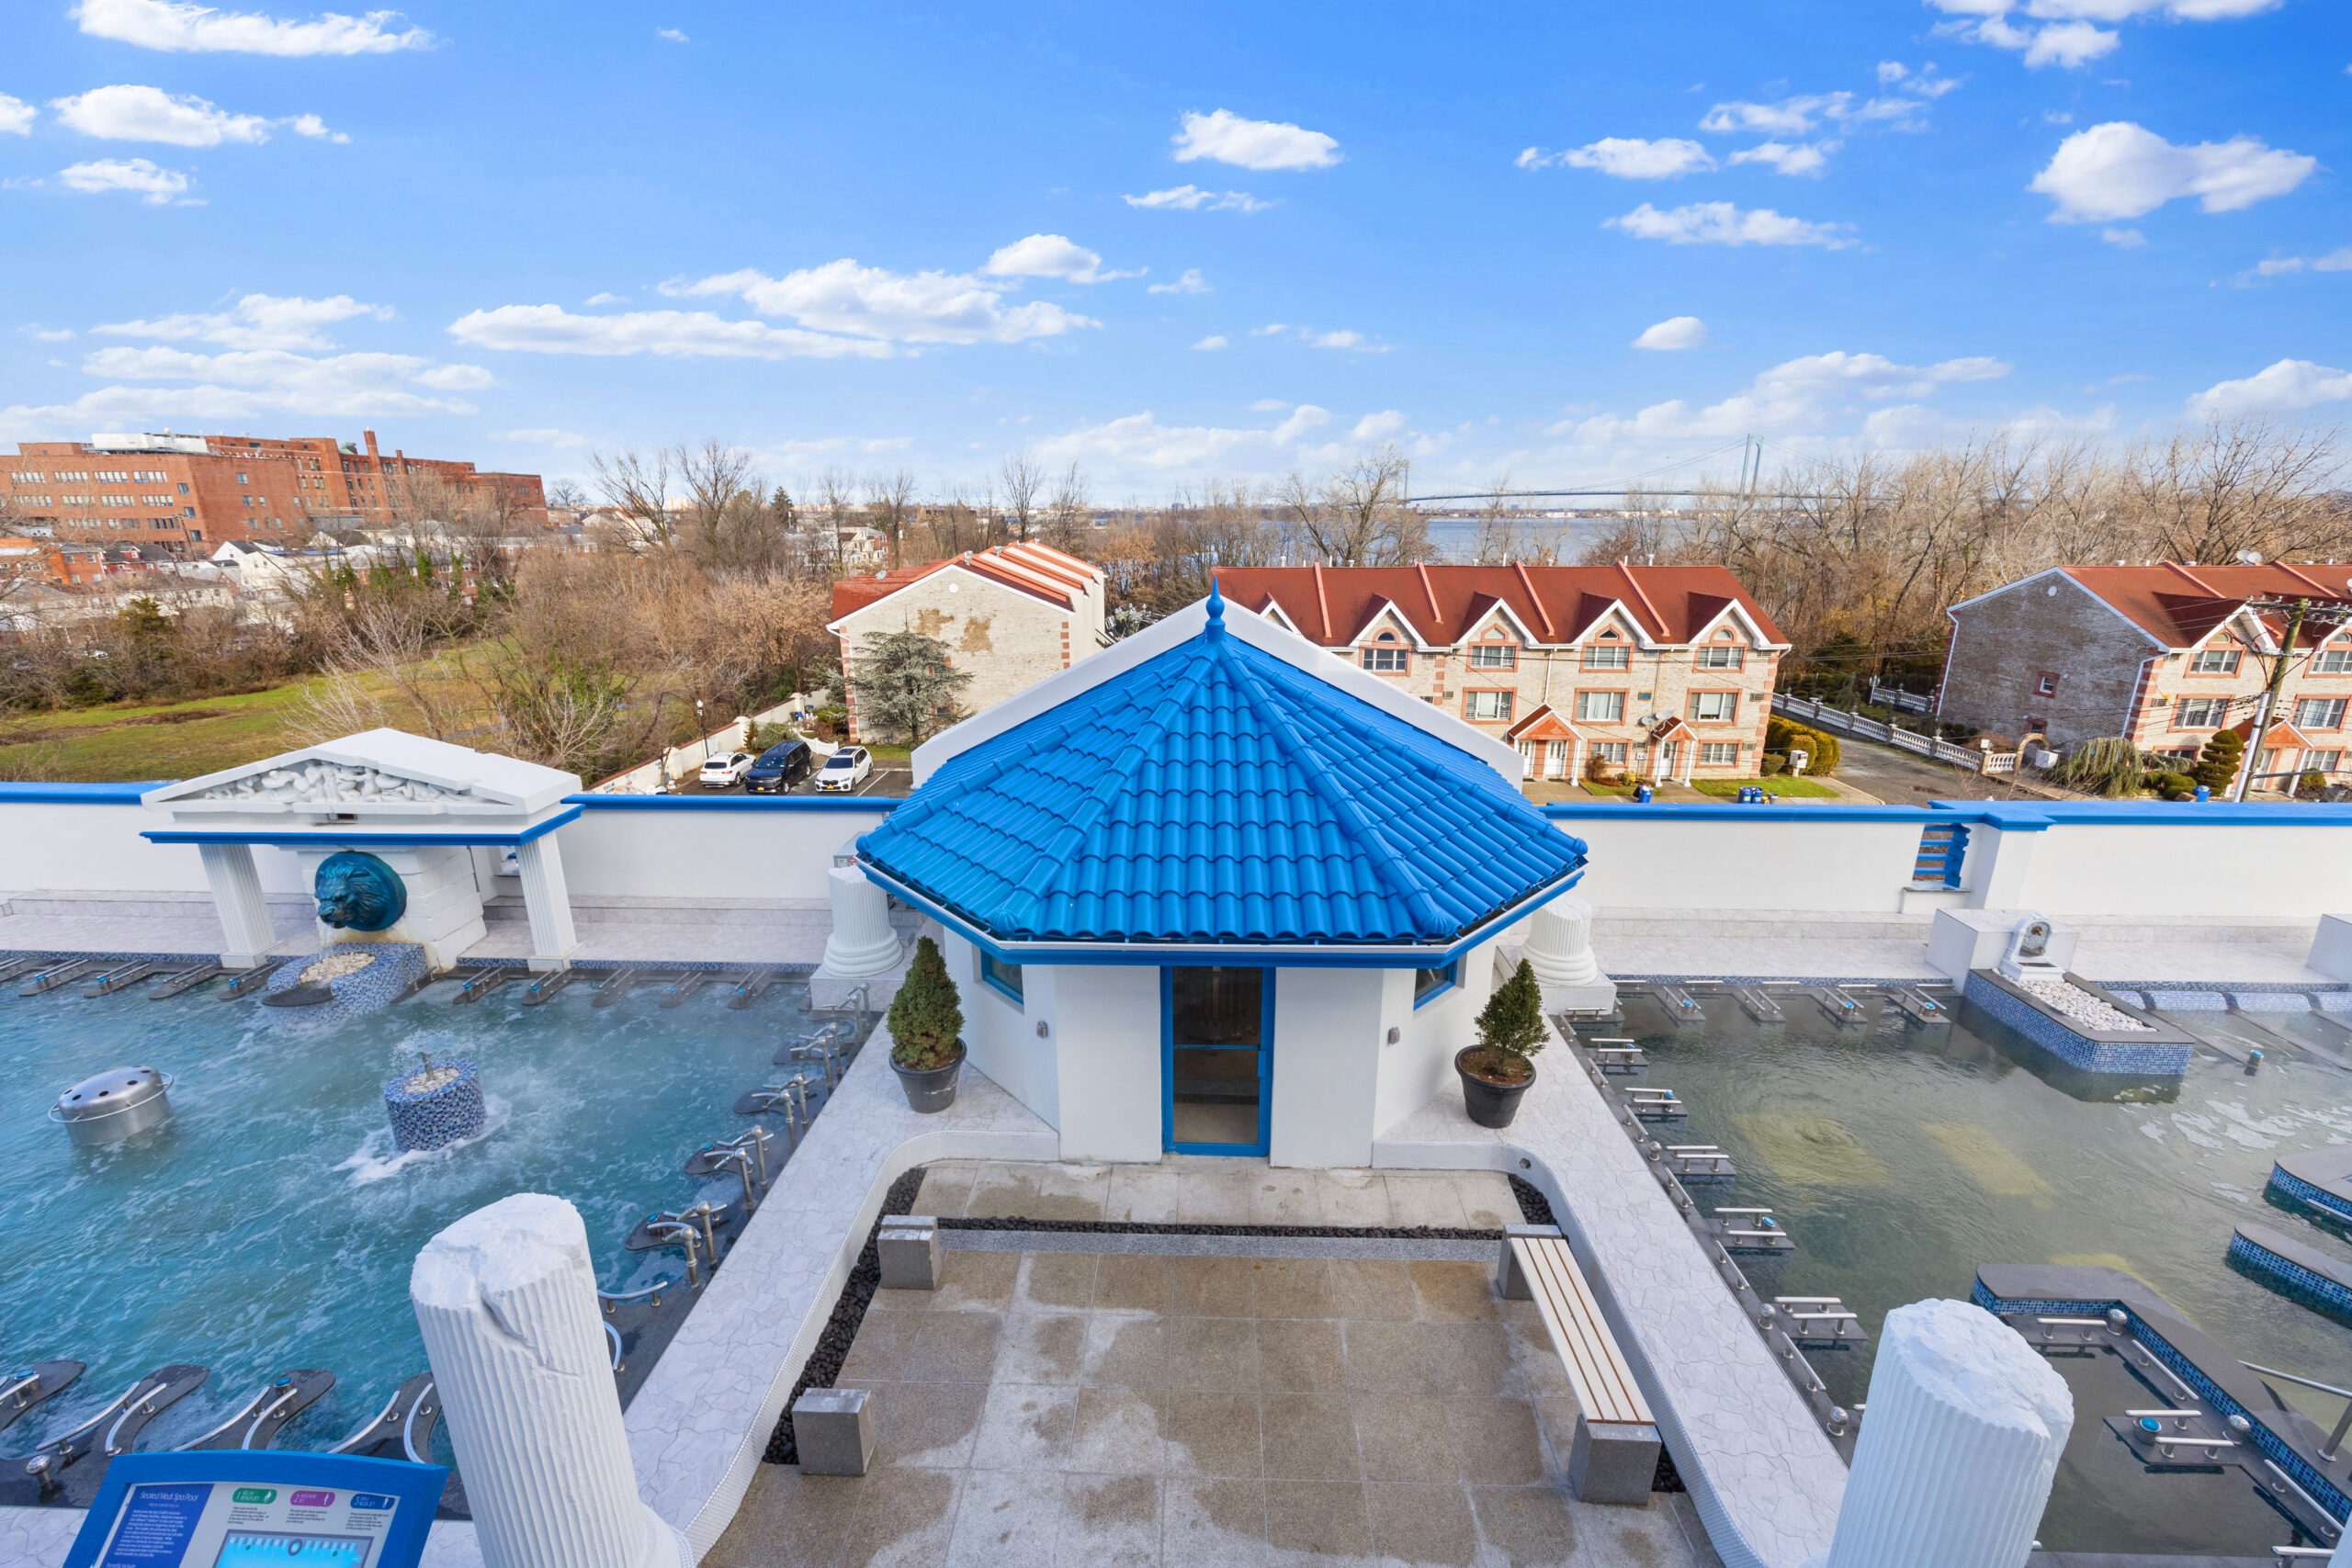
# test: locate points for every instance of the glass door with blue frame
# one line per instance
(1217, 1035)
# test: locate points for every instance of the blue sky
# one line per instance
(1175, 246)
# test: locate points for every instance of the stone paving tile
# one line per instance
(1282, 1197)
(1355, 1198)
(1145, 1192)
(1145, 1412)
(1425, 1197)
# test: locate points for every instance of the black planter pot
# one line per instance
(933, 1088)
(1490, 1105)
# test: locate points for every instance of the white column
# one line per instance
(236, 894)
(1559, 949)
(863, 942)
(547, 901)
(1958, 1448)
(1999, 860)
(507, 1303)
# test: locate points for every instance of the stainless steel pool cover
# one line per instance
(113, 1105)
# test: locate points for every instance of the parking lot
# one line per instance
(891, 777)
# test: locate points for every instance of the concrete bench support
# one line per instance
(910, 1248)
(1614, 1456)
(833, 1428)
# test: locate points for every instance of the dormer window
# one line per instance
(1494, 656)
(2214, 661)
(1721, 656)
(1608, 656)
(1384, 658)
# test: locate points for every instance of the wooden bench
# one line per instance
(1615, 1457)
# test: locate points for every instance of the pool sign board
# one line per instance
(240, 1510)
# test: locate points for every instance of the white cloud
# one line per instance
(1140, 442)
(2334, 261)
(257, 321)
(1226, 137)
(16, 117)
(1797, 116)
(1213, 343)
(150, 113)
(550, 329)
(2121, 170)
(1789, 158)
(608, 298)
(1270, 405)
(48, 334)
(1890, 72)
(311, 125)
(248, 382)
(672, 34)
(1192, 198)
(2069, 37)
(2071, 44)
(1720, 224)
(871, 302)
(1269, 330)
(1191, 283)
(180, 27)
(1674, 332)
(1050, 255)
(1626, 157)
(541, 437)
(1798, 396)
(1378, 426)
(1352, 340)
(2123, 239)
(2290, 385)
(155, 186)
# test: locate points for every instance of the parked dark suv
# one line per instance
(779, 767)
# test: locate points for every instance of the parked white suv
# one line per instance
(845, 769)
(725, 773)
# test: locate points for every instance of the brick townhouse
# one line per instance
(189, 493)
(54, 561)
(2162, 655)
(1660, 671)
(1011, 615)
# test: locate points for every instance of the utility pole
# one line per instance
(2270, 697)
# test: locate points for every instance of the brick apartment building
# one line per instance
(55, 561)
(1656, 671)
(2162, 655)
(1011, 615)
(189, 494)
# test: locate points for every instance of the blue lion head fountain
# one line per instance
(358, 892)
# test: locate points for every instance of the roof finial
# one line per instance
(1217, 609)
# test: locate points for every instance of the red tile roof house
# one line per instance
(2162, 655)
(1660, 671)
(1011, 615)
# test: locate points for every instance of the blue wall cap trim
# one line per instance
(870, 804)
(77, 794)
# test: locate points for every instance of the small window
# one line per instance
(2333, 662)
(2320, 713)
(1719, 753)
(1005, 978)
(2323, 762)
(2214, 661)
(1612, 752)
(1428, 983)
(1722, 658)
(1489, 707)
(2046, 684)
(1387, 661)
(1715, 707)
(1492, 656)
(1608, 656)
(1600, 707)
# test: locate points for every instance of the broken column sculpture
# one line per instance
(1559, 949)
(863, 942)
(507, 1303)
(1963, 1436)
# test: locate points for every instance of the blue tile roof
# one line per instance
(1215, 794)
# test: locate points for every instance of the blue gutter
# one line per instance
(77, 794)
(880, 804)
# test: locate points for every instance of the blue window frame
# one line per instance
(1429, 983)
(1003, 978)
(1224, 1059)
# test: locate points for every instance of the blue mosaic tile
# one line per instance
(2193, 1002)
(436, 1118)
(2295, 1188)
(2150, 1059)
(398, 965)
(2289, 1275)
(2270, 1001)
(2334, 1001)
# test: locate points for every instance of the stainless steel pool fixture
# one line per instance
(1756, 1005)
(58, 1465)
(185, 979)
(25, 1389)
(119, 977)
(547, 987)
(1751, 1230)
(2334, 1447)
(669, 1230)
(255, 978)
(1821, 1321)
(821, 1050)
(684, 986)
(746, 1156)
(752, 987)
(51, 975)
(783, 1057)
(486, 981)
(1842, 1009)
(1657, 1104)
(1618, 1055)
(403, 1429)
(110, 1106)
(1700, 1162)
(1919, 1007)
(11, 968)
(615, 988)
(1679, 1005)
(259, 1420)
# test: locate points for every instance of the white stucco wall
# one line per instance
(1421, 1062)
(54, 848)
(1773, 860)
(680, 853)
(1329, 1024)
(1106, 1032)
(1001, 1034)
(2165, 871)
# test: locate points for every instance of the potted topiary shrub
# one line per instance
(1497, 1071)
(926, 1031)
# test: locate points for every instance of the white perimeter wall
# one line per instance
(665, 852)
(1773, 861)
(1001, 1034)
(2163, 872)
(1106, 1024)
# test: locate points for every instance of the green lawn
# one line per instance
(1609, 792)
(1792, 788)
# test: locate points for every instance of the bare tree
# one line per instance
(890, 499)
(1066, 512)
(1023, 481)
(635, 489)
(834, 488)
(1499, 540)
(1358, 517)
(719, 486)
(2234, 484)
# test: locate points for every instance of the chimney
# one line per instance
(369, 437)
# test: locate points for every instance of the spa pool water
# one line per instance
(271, 1225)
(1901, 1159)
